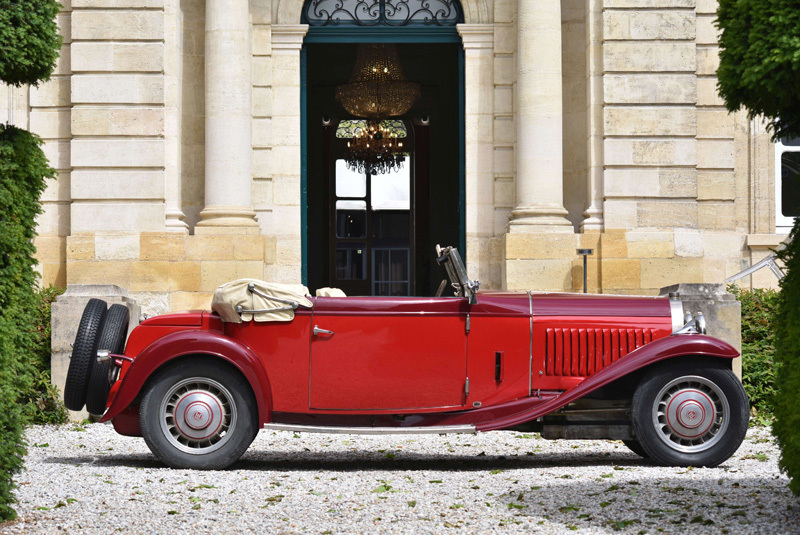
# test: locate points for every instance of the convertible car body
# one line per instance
(198, 388)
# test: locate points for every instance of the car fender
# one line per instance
(676, 345)
(193, 342)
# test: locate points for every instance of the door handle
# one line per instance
(318, 331)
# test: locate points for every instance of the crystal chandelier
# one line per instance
(375, 149)
(376, 91)
(377, 88)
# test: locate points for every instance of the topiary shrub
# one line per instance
(29, 40)
(759, 66)
(758, 349)
(23, 169)
(787, 362)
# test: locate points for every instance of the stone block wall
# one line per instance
(167, 271)
(678, 168)
(687, 189)
(117, 152)
(50, 115)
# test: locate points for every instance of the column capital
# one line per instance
(476, 36)
(288, 37)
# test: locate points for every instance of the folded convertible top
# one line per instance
(252, 299)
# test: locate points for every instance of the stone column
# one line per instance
(286, 161)
(539, 154)
(594, 96)
(478, 40)
(173, 52)
(228, 188)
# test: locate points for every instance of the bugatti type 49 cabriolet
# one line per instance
(199, 385)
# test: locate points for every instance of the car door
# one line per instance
(388, 354)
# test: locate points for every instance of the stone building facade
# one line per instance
(180, 133)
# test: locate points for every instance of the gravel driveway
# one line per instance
(88, 479)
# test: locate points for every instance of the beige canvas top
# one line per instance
(276, 302)
(330, 292)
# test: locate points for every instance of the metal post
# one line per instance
(584, 253)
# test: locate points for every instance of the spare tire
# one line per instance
(84, 353)
(112, 338)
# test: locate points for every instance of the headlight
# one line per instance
(676, 310)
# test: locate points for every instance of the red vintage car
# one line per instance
(199, 385)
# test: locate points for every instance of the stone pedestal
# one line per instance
(66, 316)
(721, 309)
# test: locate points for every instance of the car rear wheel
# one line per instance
(198, 414)
(112, 339)
(690, 415)
(84, 354)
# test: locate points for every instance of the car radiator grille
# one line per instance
(582, 352)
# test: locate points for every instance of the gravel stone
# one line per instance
(88, 479)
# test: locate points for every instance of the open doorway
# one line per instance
(375, 233)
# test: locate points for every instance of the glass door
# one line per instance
(371, 231)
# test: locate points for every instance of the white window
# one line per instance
(787, 184)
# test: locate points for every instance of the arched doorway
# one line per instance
(367, 232)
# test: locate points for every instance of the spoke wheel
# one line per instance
(690, 412)
(198, 414)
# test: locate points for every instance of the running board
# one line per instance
(428, 430)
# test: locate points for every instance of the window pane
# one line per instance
(351, 219)
(390, 272)
(392, 191)
(383, 289)
(790, 141)
(790, 184)
(399, 288)
(399, 265)
(391, 225)
(350, 128)
(350, 261)
(348, 182)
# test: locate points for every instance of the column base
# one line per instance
(539, 219)
(594, 219)
(175, 222)
(227, 220)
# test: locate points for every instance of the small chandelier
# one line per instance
(375, 149)
(377, 88)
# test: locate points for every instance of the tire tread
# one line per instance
(112, 338)
(84, 348)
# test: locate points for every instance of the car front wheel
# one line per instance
(687, 414)
(198, 414)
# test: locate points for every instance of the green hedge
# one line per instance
(758, 349)
(41, 400)
(29, 41)
(23, 169)
(787, 362)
